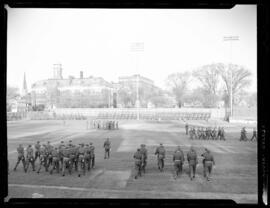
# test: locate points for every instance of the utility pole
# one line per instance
(231, 38)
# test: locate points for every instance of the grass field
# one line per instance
(234, 176)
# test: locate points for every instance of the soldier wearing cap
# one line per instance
(49, 153)
(60, 148)
(178, 160)
(107, 147)
(55, 160)
(20, 151)
(42, 159)
(254, 135)
(87, 156)
(30, 158)
(81, 161)
(208, 160)
(143, 151)
(192, 161)
(66, 159)
(92, 155)
(138, 161)
(37, 150)
(243, 136)
(160, 152)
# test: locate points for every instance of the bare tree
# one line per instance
(178, 83)
(240, 78)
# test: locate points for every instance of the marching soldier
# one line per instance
(214, 134)
(42, 159)
(208, 162)
(92, 155)
(222, 134)
(207, 132)
(37, 150)
(186, 127)
(191, 134)
(160, 152)
(55, 160)
(107, 147)
(72, 158)
(138, 161)
(49, 153)
(243, 136)
(219, 133)
(30, 158)
(60, 148)
(143, 151)
(87, 156)
(81, 161)
(20, 151)
(192, 161)
(178, 159)
(254, 135)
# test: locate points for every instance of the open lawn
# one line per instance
(234, 176)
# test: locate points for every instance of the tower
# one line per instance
(24, 88)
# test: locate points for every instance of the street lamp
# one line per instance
(230, 39)
(137, 47)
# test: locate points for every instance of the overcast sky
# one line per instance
(97, 41)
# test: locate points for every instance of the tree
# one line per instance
(240, 78)
(12, 93)
(178, 85)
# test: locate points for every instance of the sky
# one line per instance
(99, 41)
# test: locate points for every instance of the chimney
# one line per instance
(81, 74)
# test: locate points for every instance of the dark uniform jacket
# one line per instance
(178, 156)
(138, 158)
(20, 151)
(107, 145)
(160, 151)
(192, 157)
(144, 152)
(208, 157)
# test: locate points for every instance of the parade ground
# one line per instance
(234, 175)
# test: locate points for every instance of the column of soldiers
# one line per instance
(140, 159)
(102, 124)
(205, 133)
(243, 135)
(63, 158)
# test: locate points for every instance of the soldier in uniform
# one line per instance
(138, 161)
(49, 153)
(208, 134)
(30, 158)
(72, 158)
(20, 151)
(214, 134)
(222, 134)
(219, 133)
(55, 160)
(178, 159)
(60, 148)
(37, 150)
(186, 127)
(143, 151)
(107, 147)
(192, 161)
(87, 156)
(65, 160)
(81, 161)
(254, 135)
(191, 134)
(198, 133)
(208, 161)
(92, 155)
(42, 159)
(243, 136)
(160, 152)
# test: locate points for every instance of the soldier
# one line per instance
(92, 155)
(42, 160)
(194, 133)
(208, 162)
(20, 151)
(207, 132)
(222, 136)
(138, 161)
(191, 134)
(49, 153)
(55, 160)
(87, 156)
(81, 161)
(60, 148)
(178, 159)
(66, 159)
(219, 133)
(192, 161)
(107, 146)
(30, 158)
(160, 152)
(214, 134)
(143, 151)
(198, 133)
(186, 127)
(37, 150)
(254, 135)
(72, 158)
(243, 136)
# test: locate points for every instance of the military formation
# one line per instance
(205, 133)
(61, 159)
(140, 161)
(243, 135)
(102, 124)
